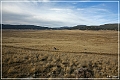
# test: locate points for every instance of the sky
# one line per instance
(58, 13)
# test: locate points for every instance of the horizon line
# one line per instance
(61, 26)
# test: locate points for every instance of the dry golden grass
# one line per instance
(31, 53)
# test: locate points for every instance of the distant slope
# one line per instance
(101, 27)
(79, 27)
(6, 26)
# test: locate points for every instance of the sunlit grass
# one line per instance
(31, 53)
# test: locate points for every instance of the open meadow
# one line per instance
(59, 53)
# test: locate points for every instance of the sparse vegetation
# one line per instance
(59, 53)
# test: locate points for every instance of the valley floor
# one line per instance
(59, 53)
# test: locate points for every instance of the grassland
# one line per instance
(31, 53)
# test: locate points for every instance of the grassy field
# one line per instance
(59, 53)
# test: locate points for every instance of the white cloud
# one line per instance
(11, 9)
(43, 0)
(59, 9)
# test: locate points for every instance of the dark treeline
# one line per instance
(101, 27)
(7, 26)
(79, 27)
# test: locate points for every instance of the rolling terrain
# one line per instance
(59, 53)
(78, 27)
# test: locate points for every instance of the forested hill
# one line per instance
(78, 27)
(6, 26)
(101, 27)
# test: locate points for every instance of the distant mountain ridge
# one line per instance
(7, 26)
(79, 27)
(101, 27)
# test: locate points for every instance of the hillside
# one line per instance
(7, 26)
(101, 27)
(79, 27)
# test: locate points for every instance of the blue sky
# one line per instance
(59, 13)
